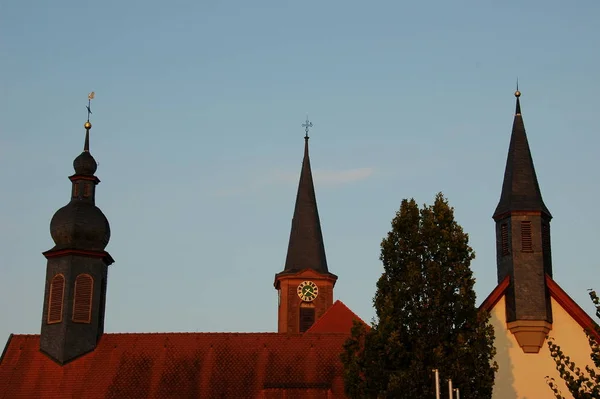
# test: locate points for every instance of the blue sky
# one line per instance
(197, 131)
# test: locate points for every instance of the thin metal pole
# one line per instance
(437, 383)
(450, 388)
(457, 393)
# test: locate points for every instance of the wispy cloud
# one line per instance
(322, 178)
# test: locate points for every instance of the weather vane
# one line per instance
(307, 125)
(89, 110)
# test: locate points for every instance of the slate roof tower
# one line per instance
(77, 268)
(523, 243)
(306, 263)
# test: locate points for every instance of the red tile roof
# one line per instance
(180, 365)
(337, 319)
(559, 295)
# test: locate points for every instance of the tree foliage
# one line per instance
(426, 314)
(583, 384)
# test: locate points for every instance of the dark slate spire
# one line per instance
(520, 189)
(306, 249)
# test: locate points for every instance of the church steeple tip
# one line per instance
(85, 164)
(520, 189)
(87, 125)
(517, 95)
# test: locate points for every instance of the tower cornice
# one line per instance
(305, 273)
(77, 177)
(508, 214)
(55, 253)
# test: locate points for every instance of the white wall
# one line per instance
(522, 375)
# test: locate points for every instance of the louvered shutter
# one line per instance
(55, 302)
(82, 300)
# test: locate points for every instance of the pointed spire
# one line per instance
(306, 249)
(520, 189)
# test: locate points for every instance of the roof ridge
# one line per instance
(345, 306)
(572, 308)
(320, 321)
(567, 303)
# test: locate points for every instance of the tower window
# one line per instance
(307, 316)
(76, 190)
(86, 190)
(82, 300)
(526, 244)
(55, 302)
(504, 239)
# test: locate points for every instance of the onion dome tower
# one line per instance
(77, 268)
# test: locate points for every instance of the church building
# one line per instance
(527, 305)
(73, 357)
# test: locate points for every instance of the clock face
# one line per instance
(308, 291)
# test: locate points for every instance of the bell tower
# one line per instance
(523, 243)
(305, 286)
(77, 268)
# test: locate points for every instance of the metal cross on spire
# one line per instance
(89, 110)
(307, 125)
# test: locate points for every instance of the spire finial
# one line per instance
(307, 125)
(517, 93)
(88, 125)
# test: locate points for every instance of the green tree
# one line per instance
(583, 384)
(426, 314)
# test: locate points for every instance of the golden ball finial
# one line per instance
(87, 125)
(517, 94)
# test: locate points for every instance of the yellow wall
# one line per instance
(522, 375)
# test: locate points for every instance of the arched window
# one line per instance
(307, 316)
(56, 299)
(87, 189)
(82, 299)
